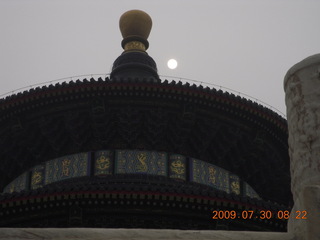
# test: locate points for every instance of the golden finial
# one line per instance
(135, 27)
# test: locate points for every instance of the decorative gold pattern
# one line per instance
(135, 46)
(212, 177)
(70, 166)
(142, 167)
(154, 163)
(65, 167)
(177, 167)
(131, 161)
(103, 163)
(209, 174)
(235, 187)
(36, 178)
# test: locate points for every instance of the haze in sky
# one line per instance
(244, 45)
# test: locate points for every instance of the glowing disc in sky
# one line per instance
(172, 64)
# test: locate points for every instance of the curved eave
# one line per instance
(199, 93)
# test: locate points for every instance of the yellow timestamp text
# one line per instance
(262, 214)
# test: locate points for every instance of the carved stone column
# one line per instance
(302, 88)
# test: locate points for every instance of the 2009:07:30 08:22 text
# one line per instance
(262, 214)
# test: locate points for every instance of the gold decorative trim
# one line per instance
(134, 45)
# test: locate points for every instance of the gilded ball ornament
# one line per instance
(135, 26)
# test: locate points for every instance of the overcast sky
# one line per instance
(245, 45)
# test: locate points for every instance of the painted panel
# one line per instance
(71, 166)
(209, 174)
(249, 191)
(234, 181)
(103, 164)
(177, 167)
(145, 162)
(19, 184)
(37, 177)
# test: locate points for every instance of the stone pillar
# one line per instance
(302, 88)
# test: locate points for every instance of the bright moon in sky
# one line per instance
(172, 64)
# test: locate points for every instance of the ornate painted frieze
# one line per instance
(234, 182)
(249, 191)
(109, 162)
(37, 177)
(103, 163)
(18, 185)
(177, 166)
(209, 174)
(71, 166)
(133, 161)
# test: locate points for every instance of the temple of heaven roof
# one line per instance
(135, 151)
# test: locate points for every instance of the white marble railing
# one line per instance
(135, 234)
